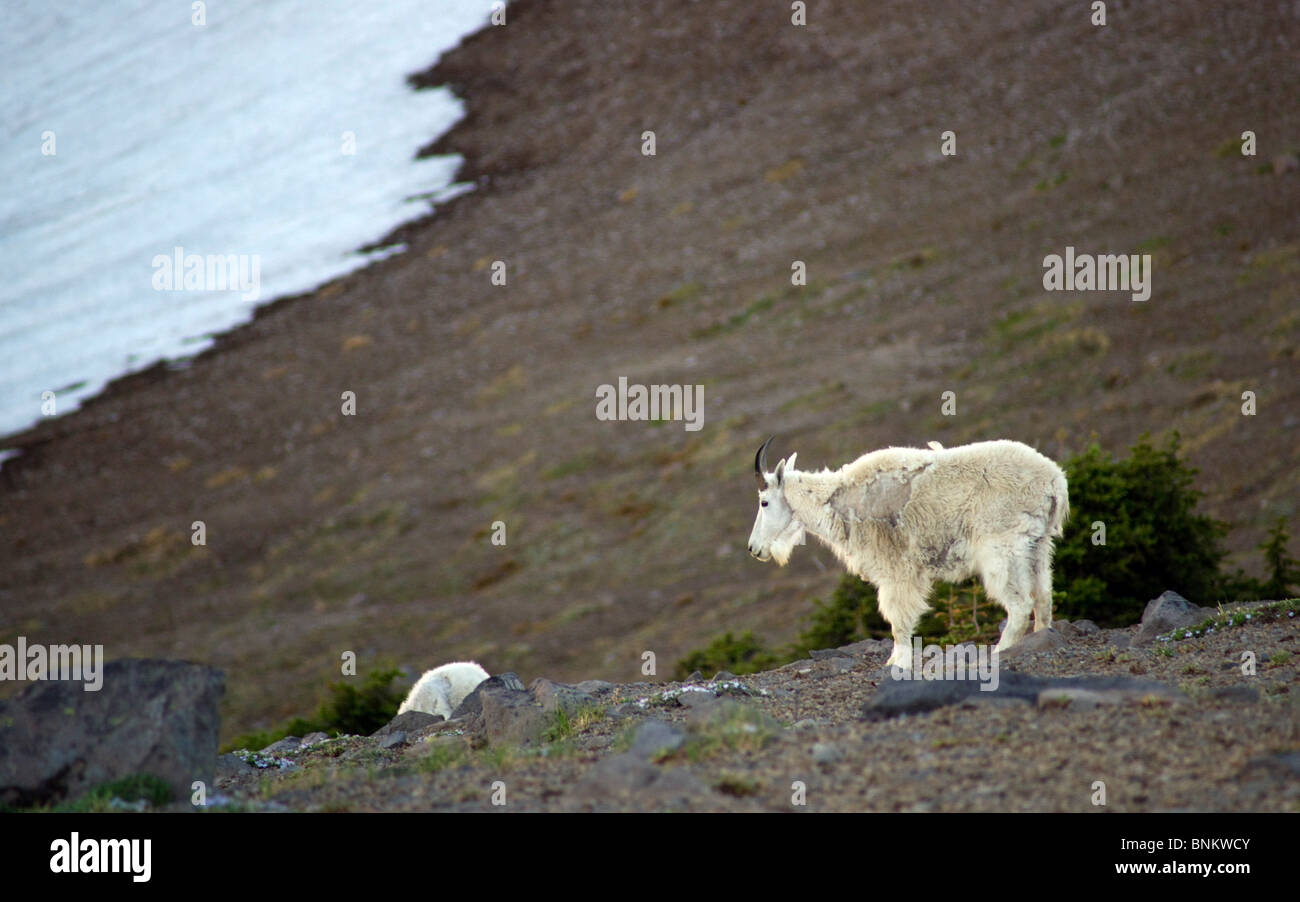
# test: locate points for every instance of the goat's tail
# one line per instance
(1060, 510)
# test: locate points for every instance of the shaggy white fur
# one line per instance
(902, 518)
(441, 690)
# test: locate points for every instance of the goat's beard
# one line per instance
(784, 544)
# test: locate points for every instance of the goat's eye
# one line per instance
(764, 504)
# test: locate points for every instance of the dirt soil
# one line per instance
(475, 402)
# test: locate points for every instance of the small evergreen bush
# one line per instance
(740, 655)
(347, 710)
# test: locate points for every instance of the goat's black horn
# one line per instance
(760, 459)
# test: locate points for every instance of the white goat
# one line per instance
(902, 518)
(441, 690)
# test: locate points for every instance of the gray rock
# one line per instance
(282, 747)
(313, 738)
(511, 681)
(694, 677)
(594, 687)
(693, 698)
(895, 697)
(841, 664)
(1168, 612)
(392, 740)
(232, 766)
(1085, 627)
(654, 738)
(552, 696)
(1042, 640)
(806, 724)
(408, 722)
(818, 654)
(629, 776)
(618, 773)
(723, 675)
(826, 753)
(507, 716)
(866, 647)
(1064, 627)
(471, 706)
(1283, 764)
(148, 717)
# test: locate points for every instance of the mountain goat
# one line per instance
(441, 690)
(902, 518)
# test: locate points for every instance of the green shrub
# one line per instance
(740, 655)
(958, 613)
(1154, 539)
(1283, 570)
(849, 616)
(346, 710)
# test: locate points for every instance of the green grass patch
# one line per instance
(136, 792)
(737, 320)
(1269, 613)
(1055, 181)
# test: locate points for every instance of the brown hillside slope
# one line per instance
(475, 402)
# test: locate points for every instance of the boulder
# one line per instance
(628, 776)
(506, 716)
(693, 697)
(408, 722)
(552, 696)
(1041, 640)
(1168, 612)
(470, 707)
(281, 747)
(594, 687)
(654, 738)
(149, 717)
(393, 739)
(895, 697)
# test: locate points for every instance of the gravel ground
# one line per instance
(1232, 744)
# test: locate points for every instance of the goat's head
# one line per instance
(776, 530)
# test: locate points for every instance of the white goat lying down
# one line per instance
(441, 690)
(902, 518)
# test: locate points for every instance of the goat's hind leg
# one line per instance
(1042, 587)
(1009, 585)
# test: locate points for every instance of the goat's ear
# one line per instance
(780, 471)
(881, 498)
(790, 460)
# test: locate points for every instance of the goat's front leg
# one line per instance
(902, 606)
